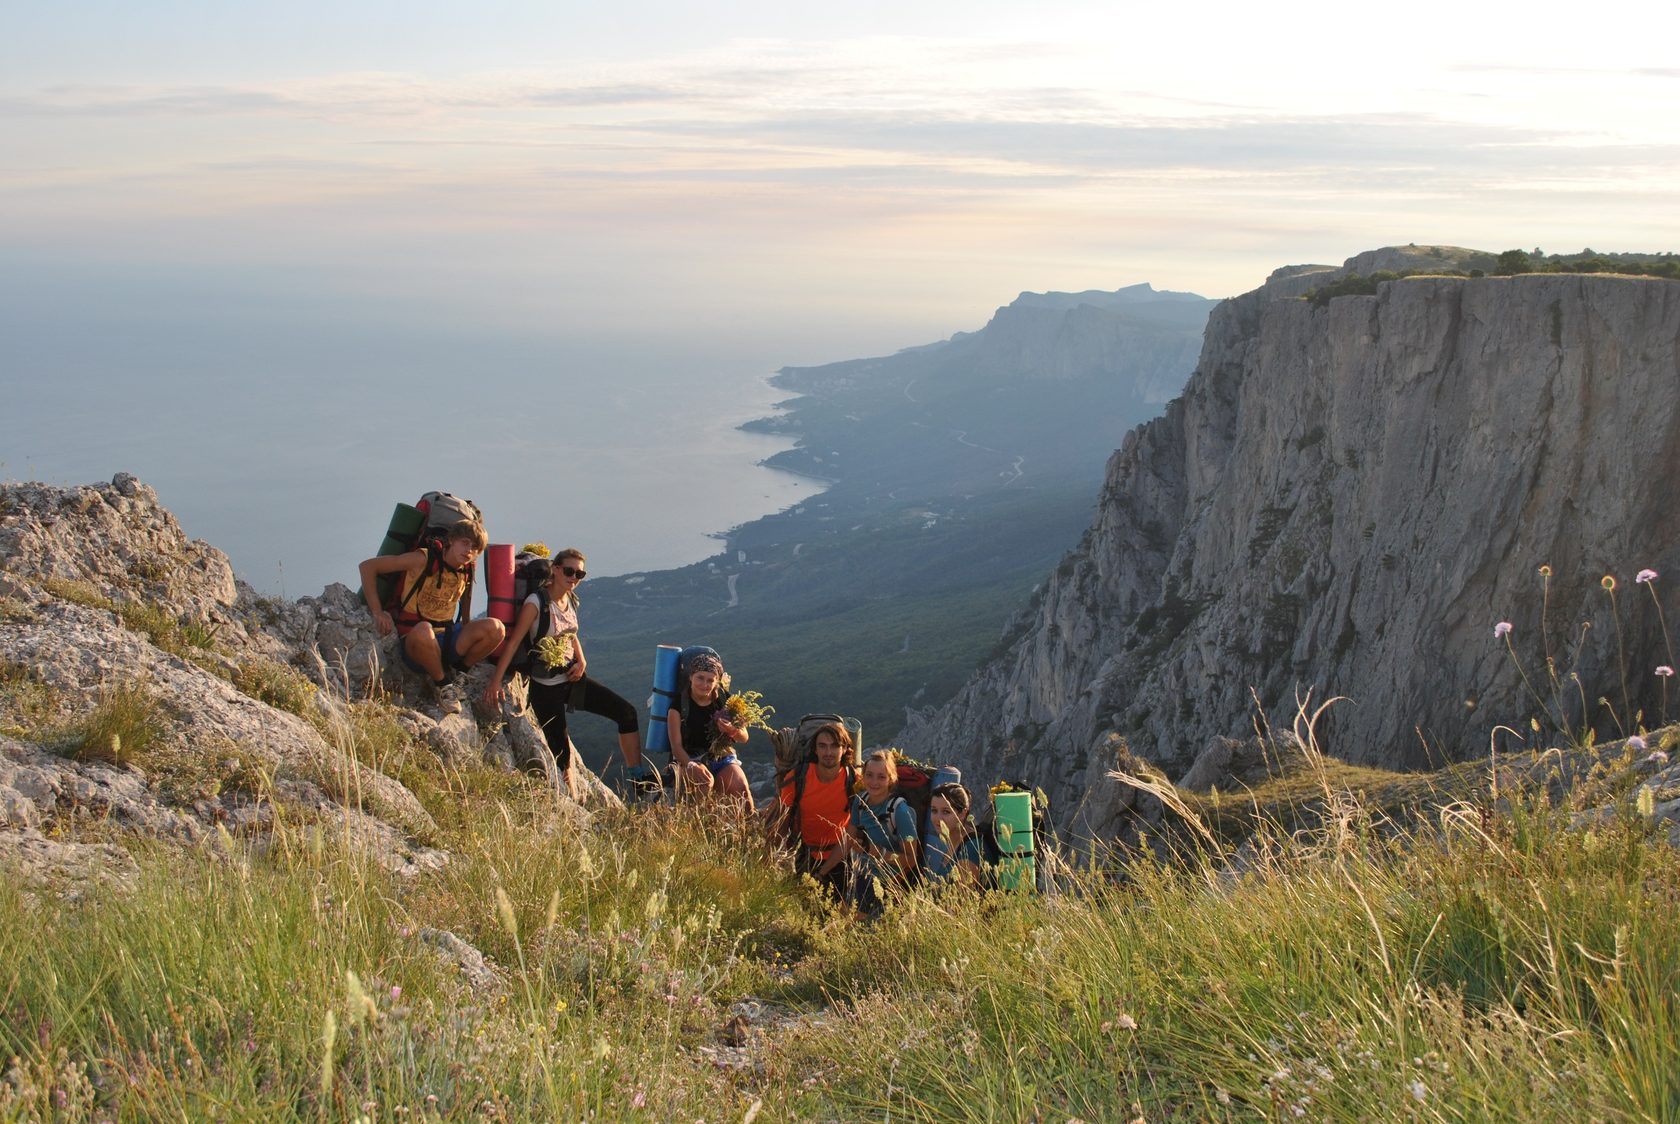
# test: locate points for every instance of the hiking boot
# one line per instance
(446, 696)
(643, 783)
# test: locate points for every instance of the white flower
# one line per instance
(1503, 628)
(1420, 1091)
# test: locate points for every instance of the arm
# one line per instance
(578, 662)
(673, 726)
(728, 729)
(521, 627)
(372, 568)
(841, 850)
(904, 822)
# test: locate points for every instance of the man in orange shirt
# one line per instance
(816, 807)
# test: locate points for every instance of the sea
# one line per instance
(285, 437)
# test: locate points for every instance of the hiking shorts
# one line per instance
(446, 635)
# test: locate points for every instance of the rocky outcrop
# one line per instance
(1344, 501)
(240, 701)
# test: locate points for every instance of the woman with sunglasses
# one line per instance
(558, 685)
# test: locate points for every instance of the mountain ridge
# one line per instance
(1345, 500)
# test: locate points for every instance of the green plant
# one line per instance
(79, 593)
(282, 687)
(121, 728)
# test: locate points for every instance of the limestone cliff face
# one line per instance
(1346, 499)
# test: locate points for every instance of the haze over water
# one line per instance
(282, 429)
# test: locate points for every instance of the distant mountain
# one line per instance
(959, 471)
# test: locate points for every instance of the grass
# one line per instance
(282, 687)
(1476, 964)
(121, 727)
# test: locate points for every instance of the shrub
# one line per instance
(121, 728)
(281, 687)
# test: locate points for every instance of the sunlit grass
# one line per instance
(1468, 964)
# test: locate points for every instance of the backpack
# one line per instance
(992, 854)
(425, 526)
(796, 753)
(530, 575)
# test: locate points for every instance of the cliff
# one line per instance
(1345, 500)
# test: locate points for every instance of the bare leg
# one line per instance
(478, 639)
(733, 781)
(422, 647)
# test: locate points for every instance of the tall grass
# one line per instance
(1476, 965)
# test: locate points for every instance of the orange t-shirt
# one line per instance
(824, 809)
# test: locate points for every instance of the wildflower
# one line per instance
(396, 992)
(1665, 671)
(1420, 1091)
(1636, 742)
(556, 651)
(639, 1100)
(540, 549)
(1126, 1022)
(1503, 628)
(1658, 757)
(1645, 576)
(1608, 582)
(1545, 571)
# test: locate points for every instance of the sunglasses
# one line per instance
(573, 572)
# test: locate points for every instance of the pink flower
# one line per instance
(639, 1100)
(1503, 628)
(1665, 671)
(1658, 757)
(1645, 576)
(1636, 742)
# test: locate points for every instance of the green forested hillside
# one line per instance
(960, 473)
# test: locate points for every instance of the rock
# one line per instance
(456, 739)
(1227, 763)
(1344, 501)
(480, 976)
(71, 869)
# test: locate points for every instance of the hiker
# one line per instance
(434, 580)
(557, 687)
(702, 736)
(815, 810)
(951, 847)
(883, 834)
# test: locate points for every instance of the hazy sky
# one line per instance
(844, 178)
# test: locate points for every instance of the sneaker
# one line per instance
(446, 696)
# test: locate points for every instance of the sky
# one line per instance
(864, 171)
(688, 189)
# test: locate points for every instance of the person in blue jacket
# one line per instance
(951, 847)
(883, 834)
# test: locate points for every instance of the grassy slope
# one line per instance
(1495, 966)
